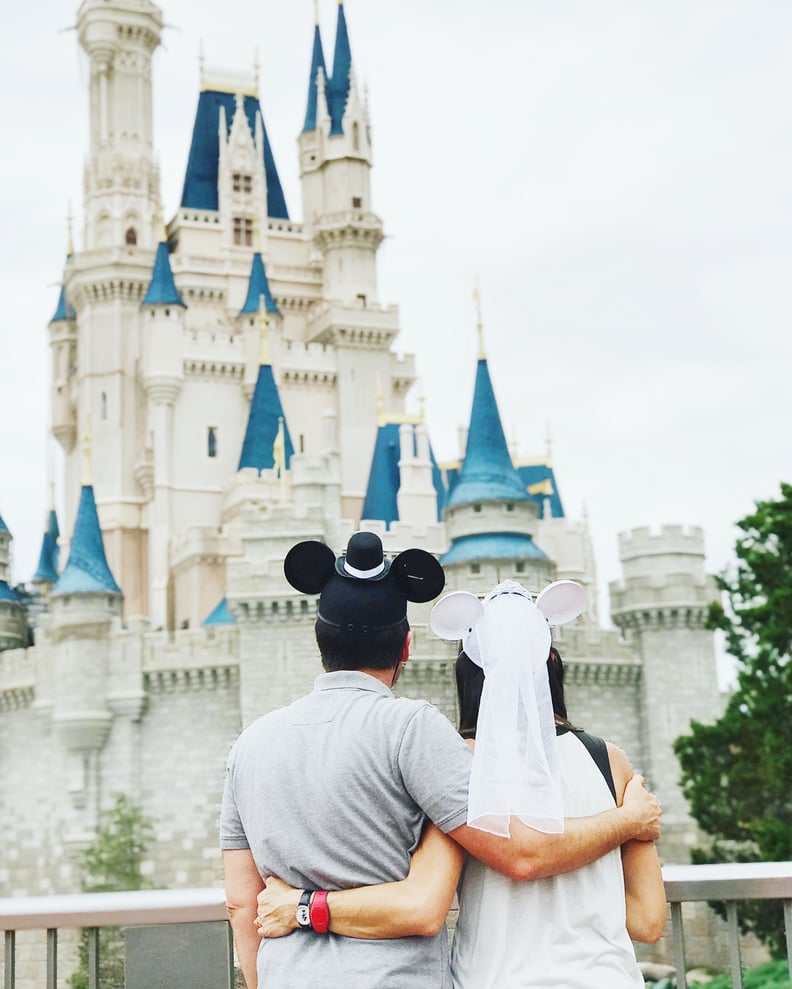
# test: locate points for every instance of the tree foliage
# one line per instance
(113, 864)
(737, 773)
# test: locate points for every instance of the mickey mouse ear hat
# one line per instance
(360, 590)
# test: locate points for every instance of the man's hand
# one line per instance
(643, 808)
(277, 908)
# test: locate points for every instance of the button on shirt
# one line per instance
(331, 792)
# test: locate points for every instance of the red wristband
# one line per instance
(320, 915)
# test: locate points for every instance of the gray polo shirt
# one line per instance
(331, 792)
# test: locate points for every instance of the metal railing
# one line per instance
(728, 883)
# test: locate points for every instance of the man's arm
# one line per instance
(243, 884)
(417, 905)
(530, 854)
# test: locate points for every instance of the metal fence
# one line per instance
(727, 883)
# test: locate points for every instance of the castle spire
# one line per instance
(338, 88)
(267, 420)
(258, 286)
(162, 288)
(47, 569)
(488, 473)
(86, 571)
(317, 63)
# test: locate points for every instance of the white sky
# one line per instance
(617, 175)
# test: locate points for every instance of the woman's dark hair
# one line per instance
(342, 649)
(470, 683)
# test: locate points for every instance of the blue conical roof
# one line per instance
(338, 87)
(7, 593)
(492, 546)
(317, 62)
(381, 501)
(65, 310)
(87, 570)
(487, 473)
(3, 526)
(200, 180)
(162, 289)
(258, 285)
(220, 615)
(47, 569)
(266, 412)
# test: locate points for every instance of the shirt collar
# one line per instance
(351, 679)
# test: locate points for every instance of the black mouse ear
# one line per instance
(309, 565)
(418, 574)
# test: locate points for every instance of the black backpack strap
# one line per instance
(598, 751)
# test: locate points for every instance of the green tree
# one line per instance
(737, 773)
(113, 863)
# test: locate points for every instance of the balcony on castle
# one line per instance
(182, 936)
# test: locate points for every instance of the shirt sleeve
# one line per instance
(232, 833)
(435, 765)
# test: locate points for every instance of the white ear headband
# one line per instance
(515, 768)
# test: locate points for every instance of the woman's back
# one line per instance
(559, 933)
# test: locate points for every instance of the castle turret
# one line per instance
(661, 609)
(47, 570)
(13, 626)
(491, 520)
(63, 343)
(121, 176)
(335, 167)
(85, 611)
(163, 376)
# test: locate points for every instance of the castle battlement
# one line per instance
(646, 541)
(403, 535)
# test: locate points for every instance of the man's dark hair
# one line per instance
(345, 649)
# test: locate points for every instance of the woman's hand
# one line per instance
(277, 908)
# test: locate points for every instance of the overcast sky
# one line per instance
(615, 173)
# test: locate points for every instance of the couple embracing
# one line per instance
(348, 813)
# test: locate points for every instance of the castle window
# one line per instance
(131, 236)
(242, 182)
(103, 404)
(509, 506)
(357, 202)
(211, 441)
(477, 508)
(243, 231)
(475, 568)
(520, 567)
(356, 136)
(361, 298)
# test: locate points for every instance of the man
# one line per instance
(332, 791)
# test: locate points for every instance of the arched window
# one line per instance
(356, 136)
(211, 441)
(103, 404)
(131, 236)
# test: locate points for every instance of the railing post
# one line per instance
(93, 958)
(52, 958)
(679, 945)
(788, 930)
(9, 977)
(734, 945)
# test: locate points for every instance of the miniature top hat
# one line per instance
(360, 590)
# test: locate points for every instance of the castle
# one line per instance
(225, 384)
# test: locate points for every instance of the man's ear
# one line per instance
(406, 650)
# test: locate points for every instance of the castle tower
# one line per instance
(335, 168)
(85, 611)
(47, 570)
(491, 519)
(163, 320)
(13, 627)
(122, 198)
(661, 608)
(63, 343)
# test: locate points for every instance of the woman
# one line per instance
(575, 927)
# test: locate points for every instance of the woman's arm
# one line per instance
(242, 883)
(418, 904)
(643, 880)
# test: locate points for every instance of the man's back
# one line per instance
(331, 792)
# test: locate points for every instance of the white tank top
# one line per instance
(566, 932)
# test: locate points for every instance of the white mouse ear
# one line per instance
(455, 615)
(562, 602)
